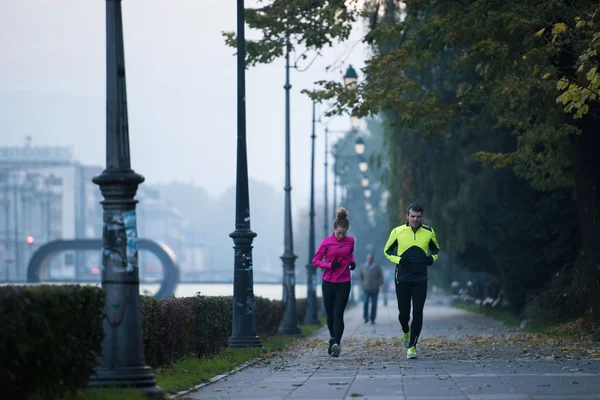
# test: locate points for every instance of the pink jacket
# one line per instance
(331, 250)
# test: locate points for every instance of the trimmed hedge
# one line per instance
(50, 338)
(201, 325)
(301, 308)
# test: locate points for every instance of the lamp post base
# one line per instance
(290, 331)
(312, 321)
(244, 341)
(136, 378)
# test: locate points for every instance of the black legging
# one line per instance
(417, 291)
(335, 299)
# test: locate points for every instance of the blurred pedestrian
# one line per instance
(370, 278)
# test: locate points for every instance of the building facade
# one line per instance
(46, 195)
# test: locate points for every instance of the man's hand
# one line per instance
(352, 266)
(429, 260)
(335, 264)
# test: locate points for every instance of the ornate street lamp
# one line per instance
(122, 362)
(289, 324)
(243, 329)
(310, 317)
(363, 165)
(350, 77)
(359, 146)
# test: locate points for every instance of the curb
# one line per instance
(226, 374)
(215, 378)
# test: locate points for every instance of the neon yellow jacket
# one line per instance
(409, 250)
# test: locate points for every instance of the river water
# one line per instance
(272, 291)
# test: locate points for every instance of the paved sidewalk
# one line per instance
(461, 356)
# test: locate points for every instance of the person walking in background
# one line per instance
(335, 256)
(370, 278)
(413, 247)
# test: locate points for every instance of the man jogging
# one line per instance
(370, 278)
(412, 247)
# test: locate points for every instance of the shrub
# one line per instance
(50, 338)
(301, 308)
(562, 299)
(200, 326)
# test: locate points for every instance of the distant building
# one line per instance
(45, 195)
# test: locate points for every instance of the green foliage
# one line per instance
(563, 297)
(44, 357)
(504, 66)
(50, 339)
(313, 23)
(106, 394)
(487, 219)
(465, 89)
(190, 371)
(301, 308)
(196, 326)
(580, 35)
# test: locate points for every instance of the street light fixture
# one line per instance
(363, 165)
(350, 77)
(367, 193)
(310, 317)
(122, 361)
(359, 146)
(289, 324)
(350, 80)
(243, 329)
(364, 182)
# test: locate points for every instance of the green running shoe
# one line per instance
(406, 338)
(411, 353)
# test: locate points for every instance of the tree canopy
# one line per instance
(490, 111)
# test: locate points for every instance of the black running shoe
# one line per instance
(331, 342)
(335, 350)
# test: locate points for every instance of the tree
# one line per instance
(312, 24)
(497, 41)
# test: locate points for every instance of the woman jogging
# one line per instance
(336, 256)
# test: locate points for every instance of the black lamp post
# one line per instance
(243, 319)
(289, 324)
(326, 203)
(122, 362)
(310, 317)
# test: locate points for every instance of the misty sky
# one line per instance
(181, 82)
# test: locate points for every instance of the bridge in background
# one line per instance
(42, 257)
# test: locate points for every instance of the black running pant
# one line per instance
(335, 299)
(417, 293)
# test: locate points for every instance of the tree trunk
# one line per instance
(587, 185)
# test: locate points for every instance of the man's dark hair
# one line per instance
(416, 207)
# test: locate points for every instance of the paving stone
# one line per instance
(373, 364)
